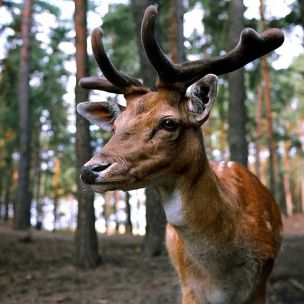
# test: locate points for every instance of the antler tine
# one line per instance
(164, 67)
(250, 47)
(113, 80)
(99, 83)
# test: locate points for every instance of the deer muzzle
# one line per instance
(90, 173)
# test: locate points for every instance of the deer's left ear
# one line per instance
(102, 113)
(202, 96)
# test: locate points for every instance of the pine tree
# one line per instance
(85, 239)
(237, 115)
(23, 203)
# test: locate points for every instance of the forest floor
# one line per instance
(42, 271)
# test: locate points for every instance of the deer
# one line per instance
(224, 227)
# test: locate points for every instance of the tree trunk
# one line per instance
(154, 209)
(302, 187)
(258, 119)
(107, 209)
(129, 227)
(156, 224)
(116, 195)
(237, 114)
(37, 178)
(23, 202)
(176, 31)
(288, 197)
(1, 189)
(7, 198)
(56, 186)
(302, 176)
(267, 96)
(85, 239)
(301, 4)
(39, 215)
(147, 72)
(8, 186)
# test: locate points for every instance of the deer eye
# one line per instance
(169, 124)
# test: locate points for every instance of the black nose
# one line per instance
(90, 173)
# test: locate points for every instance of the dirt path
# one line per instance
(42, 271)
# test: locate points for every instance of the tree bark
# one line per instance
(147, 72)
(237, 114)
(86, 244)
(287, 190)
(302, 186)
(301, 5)
(8, 186)
(39, 213)
(56, 188)
(23, 202)
(107, 209)
(116, 196)
(1, 198)
(129, 227)
(7, 199)
(156, 224)
(176, 31)
(258, 119)
(267, 96)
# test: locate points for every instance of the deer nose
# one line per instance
(91, 172)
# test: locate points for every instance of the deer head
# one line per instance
(157, 136)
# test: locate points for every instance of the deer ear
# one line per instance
(101, 113)
(202, 97)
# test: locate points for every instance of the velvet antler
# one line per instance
(250, 47)
(113, 81)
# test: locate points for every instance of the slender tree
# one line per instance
(116, 196)
(302, 179)
(176, 31)
(155, 230)
(301, 5)
(129, 227)
(267, 98)
(56, 188)
(8, 186)
(287, 188)
(85, 239)
(258, 118)
(146, 70)
(23, 202)
(237, 115)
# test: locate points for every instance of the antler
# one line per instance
(113, 81)
(250, 47)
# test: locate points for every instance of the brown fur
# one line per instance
(241, 215)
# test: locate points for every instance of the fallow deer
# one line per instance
(224, 227)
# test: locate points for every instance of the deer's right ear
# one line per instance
(202, 97)
(101, 113)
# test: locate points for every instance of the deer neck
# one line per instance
(197, 204)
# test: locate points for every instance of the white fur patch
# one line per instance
(217, 296)
(173, 209)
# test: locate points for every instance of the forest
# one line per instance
(62, 244)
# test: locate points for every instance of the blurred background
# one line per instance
(257, 120)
